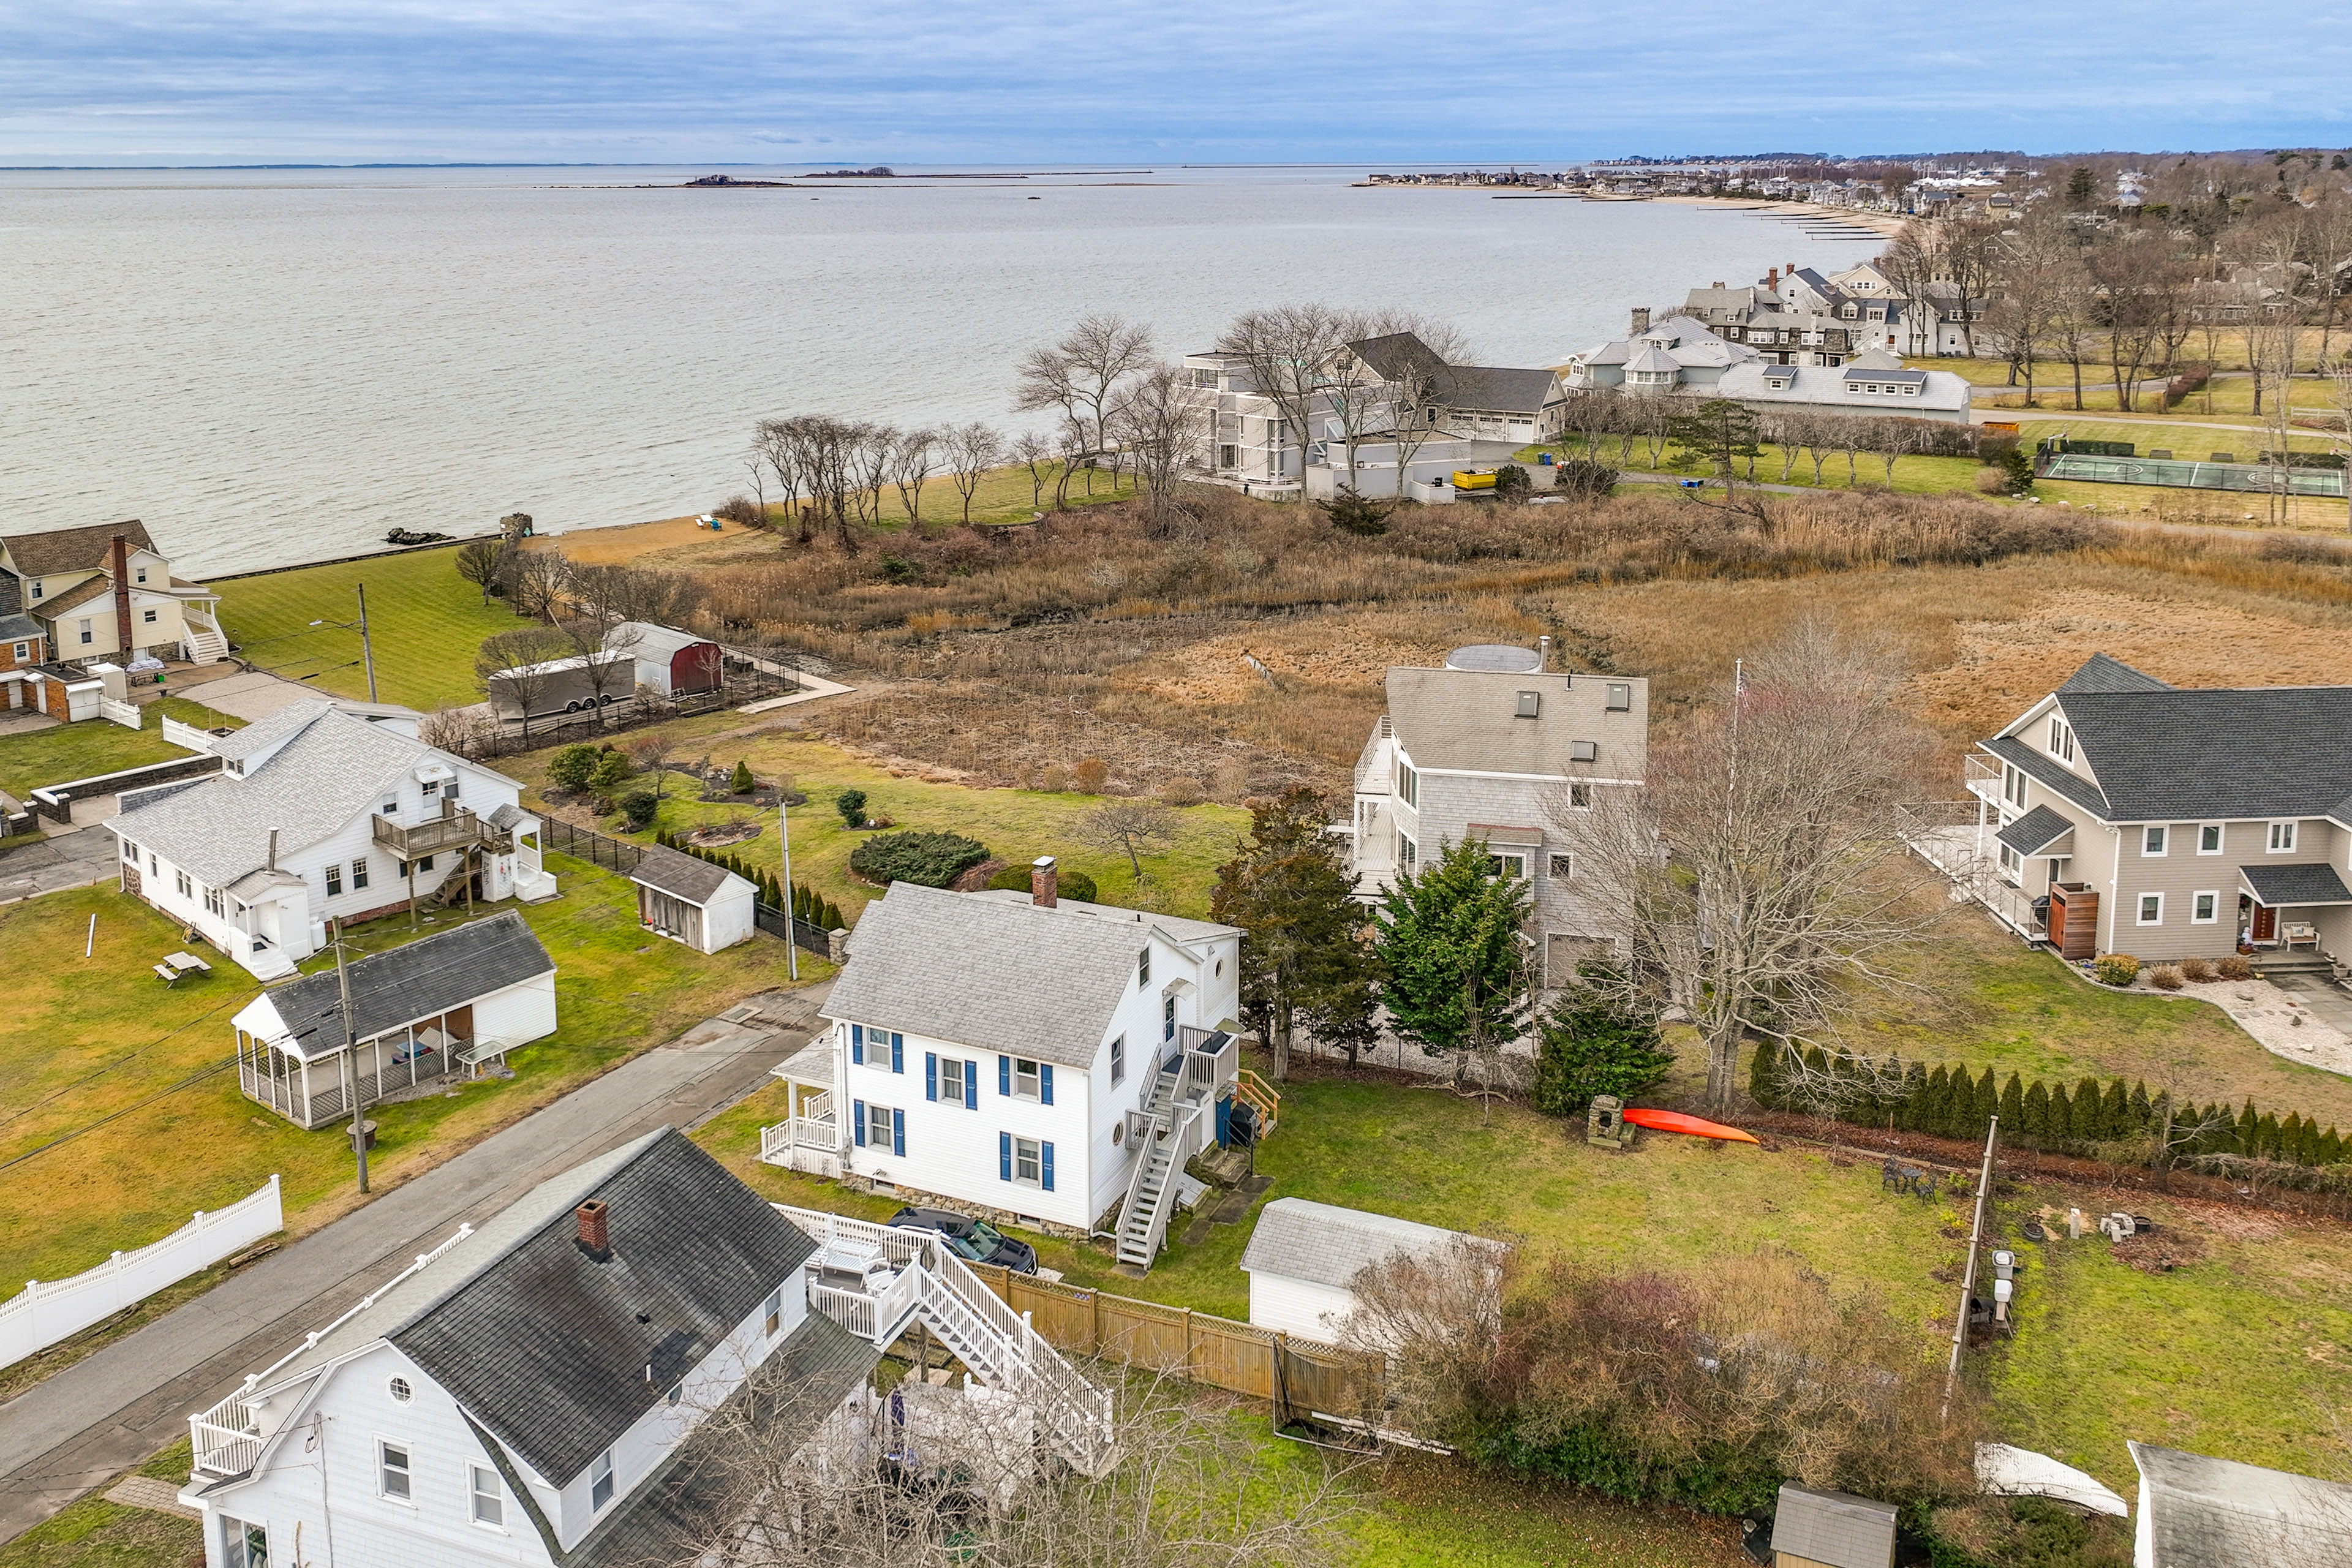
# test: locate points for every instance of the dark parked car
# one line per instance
(974, 1240)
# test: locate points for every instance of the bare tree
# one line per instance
(913, 455)
(611, 594)
(2074, 317)
(535, 582)
(2339, 376)
(971, 451)
(461, 731)
(1407, 395)
(1759, 876)
(1161, 419)
(482, 561)
(1128, 827)
(519, 658)
(1080, 376)
(1034, 453)
(1285, 354)
(651, 750)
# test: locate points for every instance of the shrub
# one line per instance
(1588, 1045)
(1356, 514)
(739, 509)
(851, 803)
(2020, 469)
(613, 770)
(1071, 884)
(2164, 977)
(638, 806)
(2201, 970)
(2117, 969)
(928, 859)
(1091, 775)
(741, 781)
(1582, 480)
(573, 766)
(2234, 967)
(1992, 482)
(1052, 778)
(1511, 483)
(1181, 792)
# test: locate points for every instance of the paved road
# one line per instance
(79, 1428)
(71, 859)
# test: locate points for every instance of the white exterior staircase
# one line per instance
(929, 1284)
(1177, 1121)
(205, 645)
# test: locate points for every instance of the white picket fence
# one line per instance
(46, 1311)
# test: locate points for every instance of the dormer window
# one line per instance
(2062, 740)
(39, 588)
(1530, 705)
(140, 575)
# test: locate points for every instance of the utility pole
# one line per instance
(351, 1060)
(792, 926)
(1968, 1277)
(367, 653)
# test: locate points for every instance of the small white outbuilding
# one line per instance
(1303, 1258)
(693, 900)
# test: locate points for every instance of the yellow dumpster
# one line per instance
(1464, 479)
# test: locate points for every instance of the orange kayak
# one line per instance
(1675, 1122)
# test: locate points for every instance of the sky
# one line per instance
(1038, 82)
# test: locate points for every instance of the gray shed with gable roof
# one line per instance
(1832, 1530)
(1303, 1258)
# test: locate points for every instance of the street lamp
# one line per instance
(367, 648)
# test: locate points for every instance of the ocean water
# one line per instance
(277, 366)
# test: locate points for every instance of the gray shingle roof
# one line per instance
(2283, 886)
(1466, 718)
(1400, 356)
(2204, 1512)
(272, 729)
(1500, 390)
(1325, 1245)
(543, 1345)
(1836, 1529)
(996, 973)
(680, 875)
(73, 549)
(2100, 673)
(420, 980)
(2229, 753)
(2036, 831)
(328, 775)
(20, 628)
(2042, 769)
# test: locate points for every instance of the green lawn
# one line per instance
(1017, 825)
(86, 1039)
(96, 1533)
(67, 751)
(424, 621)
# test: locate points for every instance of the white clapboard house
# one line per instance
(531, 1392)
(317, 813)
(1028, 1057)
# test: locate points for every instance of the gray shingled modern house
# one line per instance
(449, 1003)
(2201, 1512)
(535, 1392)
(2122, 815)
(1493, 746)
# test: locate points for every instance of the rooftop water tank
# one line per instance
(1501, 659)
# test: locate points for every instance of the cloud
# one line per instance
(956, 81)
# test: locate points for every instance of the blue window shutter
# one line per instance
(1005, 1076)
(1046, 1165)
(899, 1133)
(1046, 1083)
(1004, 1156)
(972, 1085)
(898, 1052)
(857, 1108)
(930, 1075)
(857, 1043)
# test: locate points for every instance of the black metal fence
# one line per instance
(586, 844)
(745, 683)
(808, 937)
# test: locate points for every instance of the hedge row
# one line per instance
(1951, 1102)
(805, 903)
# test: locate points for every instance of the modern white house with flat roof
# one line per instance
(1496, 746)
(1029, 1057)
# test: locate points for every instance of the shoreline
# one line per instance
(1888, 225)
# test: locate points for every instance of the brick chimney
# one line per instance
(595, 1233)
(1772, 278)
(121, 558)
(1641, 319)
(1045, 882)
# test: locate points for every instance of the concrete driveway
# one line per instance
(72, 859)
(248, 694)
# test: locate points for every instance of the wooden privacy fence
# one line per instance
(1297, 1377)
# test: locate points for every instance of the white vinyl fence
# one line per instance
(187, 735)
(46, 1311)
(124, 713)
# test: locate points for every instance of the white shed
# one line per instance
(1304, 1256)
(693, 900)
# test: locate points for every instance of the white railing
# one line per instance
(124, 713)
(46, 1311)
(186, 736)
(899, 1245)
(853, 1310)
(1940, 833)
(1182, 1144)
(1982, 777)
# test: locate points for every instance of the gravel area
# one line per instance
(2283, 1022)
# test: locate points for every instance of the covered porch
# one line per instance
(809, 1138)
(311, 1090)
(2285, 913)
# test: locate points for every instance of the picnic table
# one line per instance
(181, 964)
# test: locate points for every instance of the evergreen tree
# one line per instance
(740, 782)
(2034, 1117)
(2089, 1124)
(1985, 1103)
(2061, 1121)
(2012, 1106)
(2115, 1112)
(1763, 1078)
(1590, 1044)
(2249, 1131)
(2330, 1150)
(1304, 958)
(2141, 1113)
(1928, 1113)
(1914, 1086)
(1450, 940)
(2266, 1137)
(2291, 1138)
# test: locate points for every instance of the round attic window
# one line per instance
(400, 1391)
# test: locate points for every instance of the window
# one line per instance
(140, 575)
(1027, 1076)
(1514, 866)
(248, 1544)
(2282, 837)
(391, 1470)
(1620, 697)
(335, 881)
(1584, 750)
(213, 901)
(1530, 705)
(359, 875)
(1408, 785)
(2012, 864)
(39, 588)
(180, 880)
(23, 651)
(1406, 853)
(1028, 1162)
(2209, 839)
(1579, 797)
(1168, 1017)
(1142, 968)
(490, 1499)
(1562, 867)
(772, 1313)
(449, 789)
(390, 807)
(2062, 740)
(426, 864)
(2204, 909)
(950, 1078)
(130, 852)
(1118, 1051)
(2013, 785)
(83, 627)
(879, 1126)
(2151, 839)
(600, 1481)
(2151, 909)
(431, 788)
(400, 1391)
(148, 616)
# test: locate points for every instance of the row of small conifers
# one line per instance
(806, 905)
(2094, 1118)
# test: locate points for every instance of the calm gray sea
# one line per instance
(278, 366)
